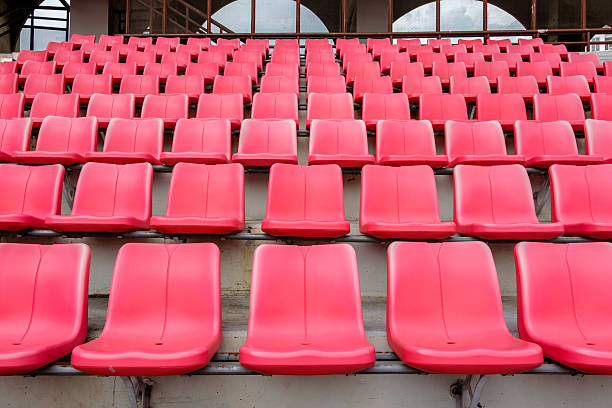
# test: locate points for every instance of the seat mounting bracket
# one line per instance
(139, 391)
(465, 396)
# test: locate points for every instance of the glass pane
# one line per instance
(43, 37)
(318, 16)
(276, 16)
(24, 39)
(236, 16)
(499, 19)
(411, 19)
(460, 15)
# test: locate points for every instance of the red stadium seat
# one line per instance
(82, 39)
(100, 58)
(355, 48)
(415, 86)
(603, 84)
(245, 56)
(588, 57)
(550, 108)
(109, 198)
(218, 58)
(131, 141)
(162, 70)
(511, 59)
(428, 59)
(401, 202)
(305, 201)
(342, 42)
(438, 108)
(141, 58)
(37, 67)
(504, 108)
(379, 85)
(275, 106)
(242, 69)
(587, 69)
(265, 142)
(207, 70)
(279, 57)
(234, 85)
(11, 105)
(388, 57)
(329, 106)
(221, 106)
(492, 70)
(414, 50)
(470, 87)
(469, 59)
(158, 49)
(341, 142)
(8, 83)
(72, 69)
(552, 58)
(446, 70)
(366, 69)
(14, 137)
(401, 69)
(139, 85)
(524, 50)
(140, 42)
(325, 84)
(562, 306)
(437, 43)
(598, 139)
(534, 42)
(325, 56)
(203, 141)
(570, 84)
(8, 67)
(332, 340)
(406, 143)
(601, 106)
(125, 49)
(546, 143)
(63, 57)
(383, 107)
(451, 49)
(203, 43)
(469, 44)
(42, 83)
(431, 324)
(316, 69)
(118, 69)
(62, 140)
(169, 108)
(488, 49)
(496, 202)
(279, 84)
(378, 49)
(28, 55)
(110, 40)
(53, 47)
(607, 68)
(289, 70)
(191, 85)
(154, 325)
(580, 199)
(173, 42)
(106, 107)
(526, 86)
(204, 199)
(42, 320)
(45, 104)
(371, 42)
(540, 70)
(29, 195)
(478, 143)
(503, 43)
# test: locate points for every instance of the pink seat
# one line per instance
(106, 107)
(29, 55)
(469, 59)
(489, 48)
(14, 137)
(44, 303)
(329, 106)
(36, 67)
(164, 312)
(603, 84)
(210, 56)
(402, 69)
(332, 339)
(371, 42)
(404, 43)
(342, 42)
(401, 202)
(580, 199)
(512, 59)
(8, 67)
(503, 43)
(389, 57)
(11, 105)
(570, 84)
(278, 69)
(264, 142)
(451, 49)
(82, 39)
(206, 70)
(446, 70)
(318, 69)
(162, 70)
(140, 42)
(546, 143)
(341, 142)
(601, 106)
(438, 108)
(64, 56)
(139, 85)
(496, 202)
(45, 104)
(8, 83)
(204, 199)
(362, 69)
(85, 85)
(383, 107)
(245, 56)
(61, 140)
(504, 108)
(100, 57)
(275, 106)
(131, 141)
(552, 58)
(524, 50)
(169, 108)
(406, 143)
(242, 69)
(534, 42)
(415, 86)
(379, 85)
(110, 40)
(42, 83)
(550, 108)
(357, 58)
(29, 194)
(526, 86)
(279, 84)
(181, 59)
(330, 84)
(470, 88)
(431, 324)
(540, 70)
(553, 49)
(598, 139)
(428, 59)
(109, 198)
(204, 141)
(607, 68)
(221, 106)
(492, 70)
(305, 201)
(234, 85)
(588, 57)
(126, 49)
(191, 85)
(118, 69)
(173, 42)
(469, 43)
(279, 57)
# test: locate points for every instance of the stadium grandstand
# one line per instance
(279, 203)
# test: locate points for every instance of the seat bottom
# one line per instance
(327, 229)
(196, 225)
(519, 231)
(386, 230)
(84, 223)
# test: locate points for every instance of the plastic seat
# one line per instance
(342, 42)
(14, 137)
(553, 59)
(401, 202)
(570, 84)
(163, 71)
(438, 108)
(401, 69)
(29, 55)
(587, 57)
(45, 104)
(553, 49)
(207, 70)
(469, 59)
(242, 69)
(607, 68)
(601, 106)
(82, 39)
(451, 49)
(141, 58)
(61, 140)
(438, 43)
(164, 312)
(35, 67)
(414, 50)
(125, 49)
(42, 83)
(275, 106)
(403, 43)
(469, 43)
(11, 105)
(534, 42)
(371, 42)
(550, 108)
(210, 56)
(72, 69)
(603, 84)
(329, 106)
(106, 107)
(389, 57)
(562, 302)
(173, 42)
(470, 87)
(118, 69)
(37, 328)
(234, 85)
(63, 56)
(502, 43)
(415, 86)
(362, 69)
(305, 201)
(169, 108)
(598, 139)
(384, 106)
(221, 106)
(496, 202)
(446, 70)
(109, 198)
(278, 69)
(181, 59)
(131, 141)
(322, 55)
(330, 84)
(524, 50)
(526, 86)
(332, 339)
(245, 56)
(279, 57)
(279, 84)
(111, 39)
(264, 142)
(580, 197)
(492, 70)
(100, 58)
(204, 141)
(204, 199)
(140, 42)
(88, 48)
(406, 143)
(139, 85)
(487, 49)
(546, 143)
(29, 195)
(511, 59)
(341, 142)
(318, 69)
(540, 70)
(191, 85)
(428, 59)
(444, 311)
(8, 83)
(8, 67)
(504, 108)
(380, 85)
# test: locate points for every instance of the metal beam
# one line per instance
(253, 6)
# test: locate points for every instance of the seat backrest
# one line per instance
(140, 42)
(493, 195)
(326, 84)
(330, 106)
(469, 86)
(275, 106)
(72, 69)
(202, 136)
(111, 39)
(233, 84)
(8, 67)
(31, 190)
(552, 58)
(163, 70)
(488, 48)
(268, 136)
(442, 107)
(473, 138)
(328, 136)
(586, 68)
(601, 106)
(531, 41)
(63, 56)
(44, 287)
(371, 42)
(380, 85)
(365, 69)
(523, 85)
(209, 191)
(185, 84)
(520, 49)
(101, 57)
(111, 106)
(603, 84)
(76, 135)
(82, 39)
(8, 83)
(15, 135)
(446, 70)
(241, 69)
(569, 84)
(500, 107)
(173, 42)
(290, 70)
(588, 57)
(139, 85)
(404, 137)
(38, 67)
(299, 193)
(430, 58)
(533, 138)
(46, 104)
(398, 194)
(165, 291)
(219, 58)
(88, 84)
(549, 108)
(315, 69)
(492, 69)
(174, 106)
(415, 85)
(135, 136)
(107, 190)
(580, 194)
(224, 106)
(282, 84)
(119, 69)
(43, 83)
(377, 106)
(598, 137)
(470, 59)
(511, 59)
(207, 70)
(203, 43)
(29, 55)
(11, 105)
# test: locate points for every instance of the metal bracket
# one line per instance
(69, 186)
(462, 390)
(139, 391)
(542, 195)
